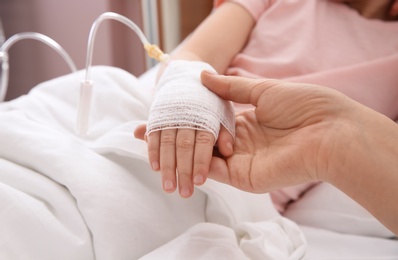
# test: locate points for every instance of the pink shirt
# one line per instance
(326, 43)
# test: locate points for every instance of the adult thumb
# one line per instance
(236, 89)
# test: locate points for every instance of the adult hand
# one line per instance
(301, 132)
(295, 133)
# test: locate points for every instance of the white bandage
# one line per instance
(182, 101)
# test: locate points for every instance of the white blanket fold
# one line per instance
(64, 197)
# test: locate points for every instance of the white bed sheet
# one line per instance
(65, 197)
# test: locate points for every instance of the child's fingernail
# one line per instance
(198, 179)
(168, 185)
(185, 192)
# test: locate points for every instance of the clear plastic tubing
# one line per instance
(86, 86)
(23, 36)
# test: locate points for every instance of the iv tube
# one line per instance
(87, 85)
(22, 36)
(153, 50)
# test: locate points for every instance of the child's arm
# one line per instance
(219, 38)
(185, 151)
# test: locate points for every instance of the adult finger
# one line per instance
(219, 171)
(236, 89)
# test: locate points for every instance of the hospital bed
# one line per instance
(67, 196)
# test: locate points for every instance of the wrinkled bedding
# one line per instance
(67, 197)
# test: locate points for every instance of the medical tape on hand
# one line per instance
(181, 101)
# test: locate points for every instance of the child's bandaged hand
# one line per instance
(185, 121)
(182, 101)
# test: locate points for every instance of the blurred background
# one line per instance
(164, 22)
